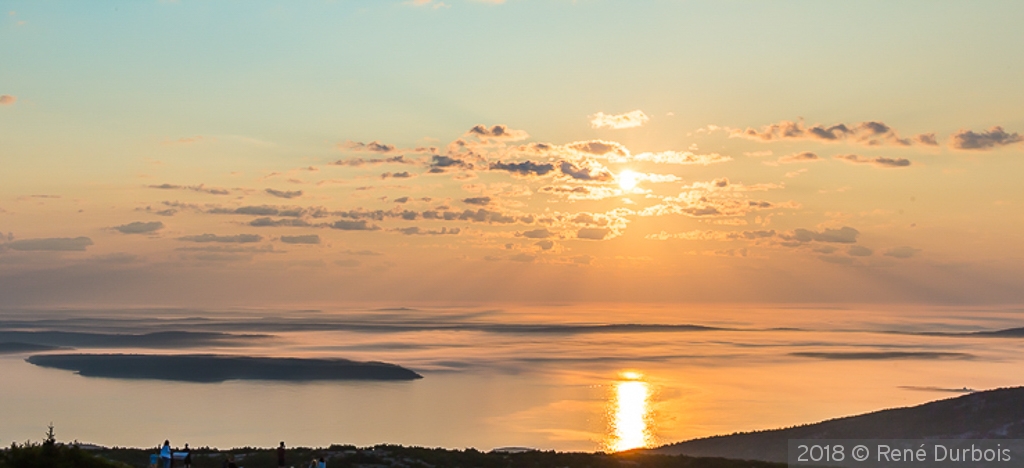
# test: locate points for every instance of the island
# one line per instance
(219, 368)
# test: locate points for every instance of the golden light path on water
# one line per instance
(630, 419)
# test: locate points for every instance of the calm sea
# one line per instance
(558, 377)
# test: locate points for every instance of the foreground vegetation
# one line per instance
(52, 454)
(347, 456)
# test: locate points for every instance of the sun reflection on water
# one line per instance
(630, 414)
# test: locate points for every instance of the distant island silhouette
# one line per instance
(991, 414)
(219, 368)
(11, 347)
(162, 339)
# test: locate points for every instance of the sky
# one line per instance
(519, 151)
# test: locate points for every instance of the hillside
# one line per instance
(993, 414)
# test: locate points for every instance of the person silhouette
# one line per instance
(280, 456)
(165, 455)
(188, 457)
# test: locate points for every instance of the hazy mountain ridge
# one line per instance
(12, 347)
(160, 339)
(992, 414)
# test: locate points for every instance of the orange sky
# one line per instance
(338, 158)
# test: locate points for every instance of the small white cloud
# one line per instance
(628, 120)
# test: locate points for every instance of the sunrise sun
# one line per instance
(628, 179)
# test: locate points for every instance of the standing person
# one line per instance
(165, 455)
(280, 456)
(322, 464)
(188, 457)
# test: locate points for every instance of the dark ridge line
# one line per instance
(16, 347)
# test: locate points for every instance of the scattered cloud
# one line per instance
(139, 227)
(165, 212)
(236, 239)
(481, 215)
(396, 175)
(258, 210)
(270, 222)
(417, 231)
(354, 225)
(482, 201)
(525, 168)
(230, 249)
(714, 235)
(7, 100)
(716, 198)
(497, 132)
(681, 157)
(439, 163)
(56, 244)
(630, 119)
(303, 239)
(195, 188)
(802, 157)
(607, 149)
(372, 147)
(538, 234)
(860, 251)
(364, 253)
(877, 162)
(593, 233)
(984, 140)
(843, 235)
(927, 139)
(586, 170)
(356, 162)
(615, 152)
(869, 133)
(284, 193)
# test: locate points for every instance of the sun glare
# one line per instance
(631, 375)
(630, 413)
(628, 180)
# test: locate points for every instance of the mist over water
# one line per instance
(567, 378)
